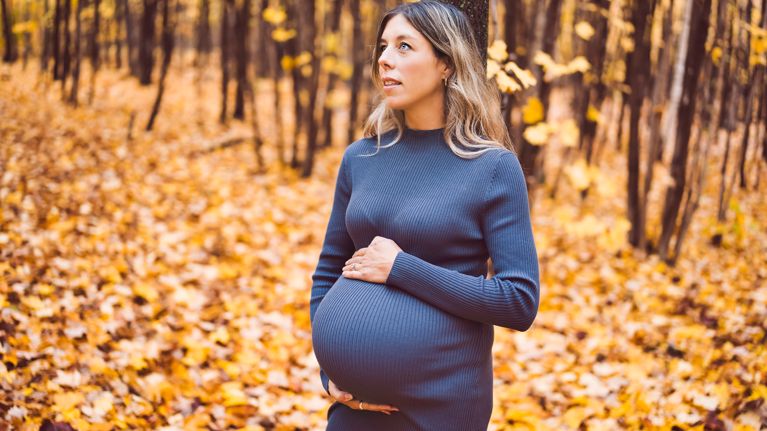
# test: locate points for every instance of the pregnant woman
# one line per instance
(402, 312)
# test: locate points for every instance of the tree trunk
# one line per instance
(9, 56)
(56, 41)
(226, 5)
(477, 12)
(529, 153)
(77, 54)
(204, 42)
(66, 48)
(327, 111)
(639, 68)
(242, 31)
(146, 44)
(313, 82)
(46, 36)
(94, 45)
(130, 39)
(167, 51)
(699, 23)
(358, 59)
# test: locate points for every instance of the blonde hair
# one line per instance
(474, 123)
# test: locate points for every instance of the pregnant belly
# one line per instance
(382, 344)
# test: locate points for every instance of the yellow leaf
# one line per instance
(537, 134)
(497, 51)
(575, 415)
(505, 83)
(716, 55)
(492, 68)
(584, 30)
(569, 133)
(533, 111)
(332, 42)
(303, 58)
(274, 15)
(233, 394)
(145, 291)
(578, 174)
(67, 401)
(525, 76)
(593, 114)
(578, 64)
(287, 62)
(221, 334)
(344, 70)
(336, 98)
(281, 34)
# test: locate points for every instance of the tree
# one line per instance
(699, 24)
(10, 41)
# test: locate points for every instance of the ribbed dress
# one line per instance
(422, 340)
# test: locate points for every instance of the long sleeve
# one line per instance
(508, 299)
(336, 249)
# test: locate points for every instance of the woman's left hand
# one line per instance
(374, 262)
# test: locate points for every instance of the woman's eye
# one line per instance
(403, 43)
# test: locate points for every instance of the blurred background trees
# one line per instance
(676, 87)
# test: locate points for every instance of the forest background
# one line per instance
(166, 175)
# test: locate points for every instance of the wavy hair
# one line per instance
(473, 119)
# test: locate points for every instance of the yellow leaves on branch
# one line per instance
(519, 78)
(584, 30)
(274, 15)
(555, 70)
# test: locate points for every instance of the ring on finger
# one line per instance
(362, 407)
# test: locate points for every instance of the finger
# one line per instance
(337, 393)
(379, 407)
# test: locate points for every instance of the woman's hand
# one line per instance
(374, 262)
(348, 400)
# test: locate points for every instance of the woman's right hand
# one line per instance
(348, 400)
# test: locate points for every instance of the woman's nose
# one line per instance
(383, 59)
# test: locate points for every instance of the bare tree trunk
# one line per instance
(659, 98)
(313, 82)
(204, 40)
(117, 41)
(669, 127)
(699, 23)
(56, 42)
(146, 45)
(639, 70)
(226, 6)
(130, 39)
(327, 111)
(530, 154)
(358, 46)
(167, 50)
(9, 56)
(94, 45)
(46, 37)
(66, 49)
(77, 54)
(242, 32)
(477, 11)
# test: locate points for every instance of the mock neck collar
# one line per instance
(423, 133)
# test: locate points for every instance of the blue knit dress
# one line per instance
(422, 341)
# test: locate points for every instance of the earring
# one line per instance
(445, 79)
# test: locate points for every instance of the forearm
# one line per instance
(509, 301)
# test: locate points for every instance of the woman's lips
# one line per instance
(391, 86)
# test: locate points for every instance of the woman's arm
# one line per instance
(510, 298)
(337, 247)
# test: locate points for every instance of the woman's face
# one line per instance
(408, 58)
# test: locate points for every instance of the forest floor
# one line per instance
(144, 287)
